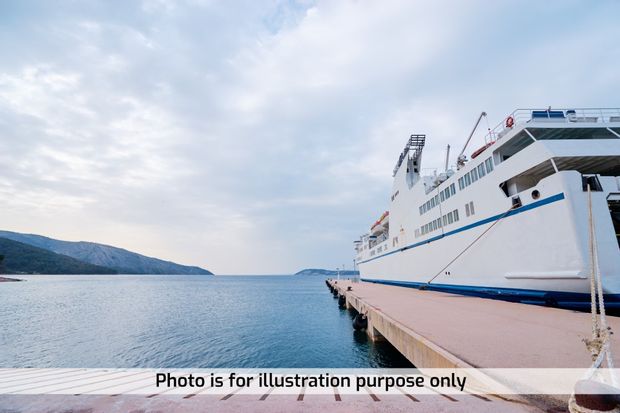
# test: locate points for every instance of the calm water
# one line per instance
(181, 321)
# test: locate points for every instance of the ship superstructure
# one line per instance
(512, 222)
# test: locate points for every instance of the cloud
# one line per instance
(259, 137)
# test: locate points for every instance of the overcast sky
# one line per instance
(260, 136)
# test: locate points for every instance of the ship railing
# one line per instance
(554, 116)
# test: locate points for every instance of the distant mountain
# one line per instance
(20, 258)
(317, 271)
(118, 259)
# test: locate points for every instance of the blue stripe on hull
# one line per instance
(533, 205)
(578, 301)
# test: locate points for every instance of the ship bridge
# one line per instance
(551, 141)
(562, 134)
(524, 126)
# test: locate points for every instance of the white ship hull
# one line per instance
(536, 251)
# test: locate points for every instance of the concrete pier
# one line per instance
(441, 330)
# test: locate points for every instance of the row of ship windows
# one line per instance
(437, 199)
(378, 250)
(466, 180)
(478, 172)
(447, 219)
(434, 225)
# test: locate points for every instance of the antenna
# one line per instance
(447, 158)
(460, 161)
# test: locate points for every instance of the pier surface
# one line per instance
(442, 330)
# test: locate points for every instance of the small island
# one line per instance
(323, 272)
(6, 279)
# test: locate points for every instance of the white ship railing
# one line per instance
(553, 116)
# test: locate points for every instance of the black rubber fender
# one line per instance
(360, 322)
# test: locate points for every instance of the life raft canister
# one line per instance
(510, 121)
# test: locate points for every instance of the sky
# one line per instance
(259, 137)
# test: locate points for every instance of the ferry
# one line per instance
(512, 221)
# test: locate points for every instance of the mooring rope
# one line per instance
(467, 247)
(599, 345)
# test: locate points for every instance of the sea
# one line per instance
(179, 321)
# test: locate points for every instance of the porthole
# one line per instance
(535, 194)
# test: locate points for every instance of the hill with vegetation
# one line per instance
(318, 271)
(118, 259)
(20, 258)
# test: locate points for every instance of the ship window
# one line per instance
(456, 215)
(461, 184)
(442, 196)
(471, 207)
(572, 133)
(452, 189)
(489, 164)
(467, 180)
(434, 225)
(436, 199)
(450, 218)
(466, 209)
(481, 171)
(445, 220)
(439, 222)
(474, 175)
